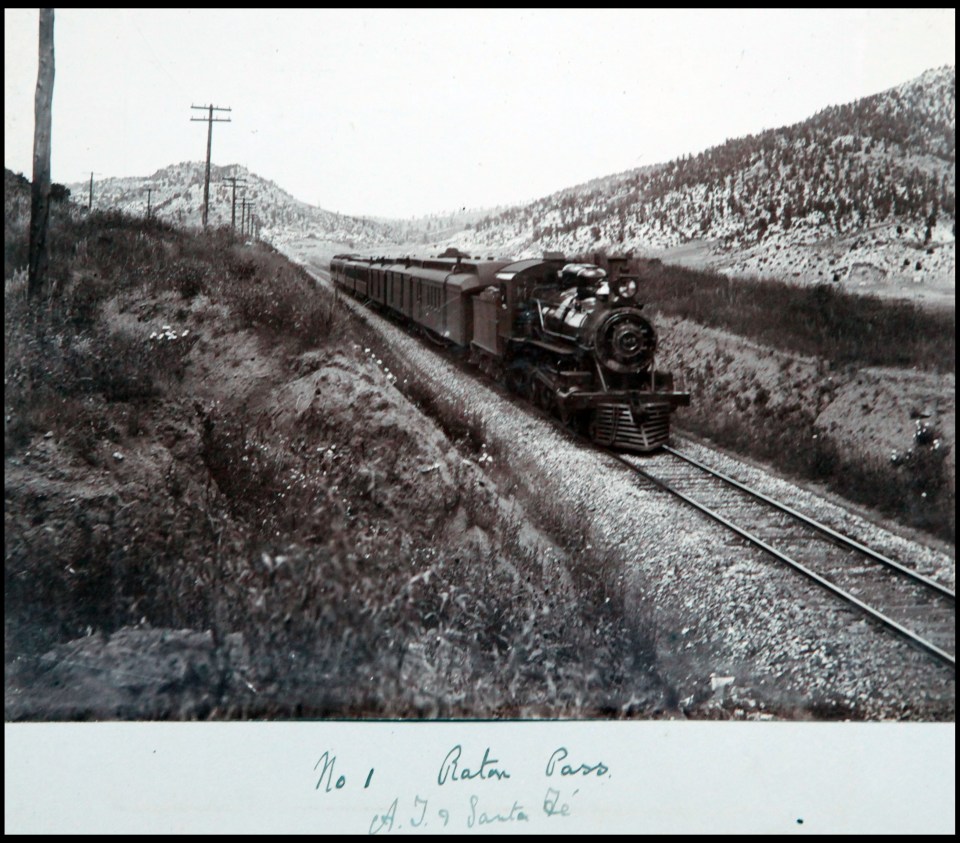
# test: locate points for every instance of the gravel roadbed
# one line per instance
(738, 634)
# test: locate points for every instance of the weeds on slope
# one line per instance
(346, 607)
(810, 319)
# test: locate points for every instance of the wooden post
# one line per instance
(206, 179)
(234, 181)
(210, 120)
(40, 192)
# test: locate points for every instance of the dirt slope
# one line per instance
(218, 504)
(880, 426)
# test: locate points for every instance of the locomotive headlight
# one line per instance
(628, 288)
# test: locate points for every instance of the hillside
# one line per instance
(219, 503)
(230, 495)
(177, 197)
(862, 194)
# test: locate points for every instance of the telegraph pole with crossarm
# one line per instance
(209, 120)
(246, 215)
(234, 181)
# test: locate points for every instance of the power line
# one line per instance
(209, 120)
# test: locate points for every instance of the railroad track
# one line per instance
(891, 593)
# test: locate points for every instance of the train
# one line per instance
(568, 336)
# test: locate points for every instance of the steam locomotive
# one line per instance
(570, 337)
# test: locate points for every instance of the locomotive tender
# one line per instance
(567, 336)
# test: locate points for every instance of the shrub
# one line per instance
(348, 605)
(190, 278)
(841, 327)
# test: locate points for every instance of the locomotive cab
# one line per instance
(506, 310)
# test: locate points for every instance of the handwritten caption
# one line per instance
(472, 790)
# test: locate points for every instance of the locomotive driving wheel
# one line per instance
(517, 378)
(543, 396)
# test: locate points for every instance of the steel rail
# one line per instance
(823, 528)
(911, 636)
(928, 646)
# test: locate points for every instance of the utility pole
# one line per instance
(250, 205)
(234, 180)
(209, 120)
(90, 194)
(40, 188)
(246, 205)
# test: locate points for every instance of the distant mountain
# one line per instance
(431, 228)
(863, 193)
(866, 189)
(176, 195)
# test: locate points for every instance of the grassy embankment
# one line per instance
(350, 600)
(845, 332)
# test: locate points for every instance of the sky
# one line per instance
(397, 113)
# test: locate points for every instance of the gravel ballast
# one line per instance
(738, 635)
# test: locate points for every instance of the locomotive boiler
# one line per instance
(570, 337)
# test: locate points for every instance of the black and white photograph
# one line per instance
(425, 366)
